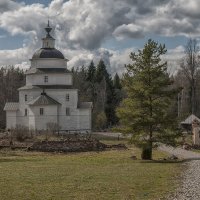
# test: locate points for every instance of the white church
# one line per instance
(48, 96)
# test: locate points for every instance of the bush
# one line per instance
(101, 120)
(53, 127)
(20, 133)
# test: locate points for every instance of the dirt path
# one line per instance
(190, 186)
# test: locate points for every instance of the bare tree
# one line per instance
(190, 66)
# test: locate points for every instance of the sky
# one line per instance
(88, 30)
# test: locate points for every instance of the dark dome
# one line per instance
(48, 53)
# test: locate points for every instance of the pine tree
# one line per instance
(101, 71)
(145, 111)
(117, 82)
(91, 72)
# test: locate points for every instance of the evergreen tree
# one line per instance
(117, 82)
(91, 72)
(145, 111)
(101, 71)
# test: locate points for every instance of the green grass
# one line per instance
(106, 175)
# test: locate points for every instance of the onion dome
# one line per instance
(48, 49)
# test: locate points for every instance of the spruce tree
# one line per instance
(91, 72)
(101, 71)
(145, 112)
(117, 82)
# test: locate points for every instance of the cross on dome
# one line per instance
(48, 41)
(48, 29)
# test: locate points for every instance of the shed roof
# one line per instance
(190, 119)
(12, 106)
(43, 99)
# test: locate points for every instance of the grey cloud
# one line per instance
(81, 26)
(128, 31)
(6, 5)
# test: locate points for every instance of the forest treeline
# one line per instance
(106, 92)
(10, 80)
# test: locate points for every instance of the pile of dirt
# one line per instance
(73, 146)
(68, 146)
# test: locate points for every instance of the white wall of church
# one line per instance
(11, 120)
(50, 116)
(53, 79)
(48, 63)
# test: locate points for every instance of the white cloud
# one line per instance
(81, 26)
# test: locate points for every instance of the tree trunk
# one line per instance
(147, 151)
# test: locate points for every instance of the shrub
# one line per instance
(20, 133)
(101, 120)
(53, 127)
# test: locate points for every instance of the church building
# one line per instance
(49, 96)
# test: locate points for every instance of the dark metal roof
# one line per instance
(55, 86)
(48, 53)
(43, 99)
(47, 70)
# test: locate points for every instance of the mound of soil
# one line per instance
(73, 146)
(68, 146)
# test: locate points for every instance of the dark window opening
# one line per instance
(46, 79)
(26, 112)
(67, 97)
(67, 111)
(41, 111)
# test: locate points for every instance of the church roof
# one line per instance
(29, 87)
(47, 70)
(12, 106)
(48, 53)
(43, 99)
(48, 49)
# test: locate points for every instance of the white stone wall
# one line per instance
(78, 118)
(85, 119)
(53, 79)
(50, 116)
(11, 119)
(48, 63)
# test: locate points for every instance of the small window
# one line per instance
(67, 111)
(67, 97)
(25, 97)
(26, 112)
(46, 79)
(41, 111)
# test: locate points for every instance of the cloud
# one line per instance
(8, 5)
(81, 26)
(128, 31)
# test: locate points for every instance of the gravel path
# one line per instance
(190, 187)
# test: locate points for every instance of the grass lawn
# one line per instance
(108, 175)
